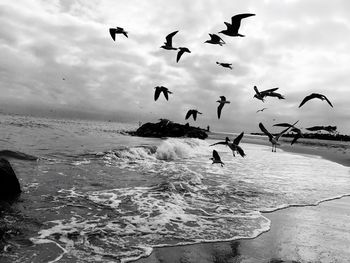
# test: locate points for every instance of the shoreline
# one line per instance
(297, 234)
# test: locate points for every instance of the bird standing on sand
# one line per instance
(260, 95)
(215, 40)
(273, 139)
(160, 89)
(233, 145)
(315, 96)
(181, 51)
(216, 158)
(232, 29)
(117, 30)
(297, 131)
(225, 65)
(168, 44)
(193, 113)
(222, 102)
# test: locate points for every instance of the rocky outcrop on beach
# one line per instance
(9, 184)
(166, 128)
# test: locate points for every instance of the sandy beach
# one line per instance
(317, 233)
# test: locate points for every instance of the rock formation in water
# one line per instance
(9, 184)
(166, 128)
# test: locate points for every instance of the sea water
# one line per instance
(96, 194)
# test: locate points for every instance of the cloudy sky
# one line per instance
(58, 57)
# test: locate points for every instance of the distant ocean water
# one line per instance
(96, 194)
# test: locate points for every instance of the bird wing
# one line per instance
(240, 151)
(221, 105)
(236, 21)
(112, 33)
(268, 91)
(328, 101)
(263, 129)
(188, 114)
(238, 138)
(256, 90)
(228, 25)
(307, 98)
(156, 93)
(179, 54)
(169, 37)
(224, 143)
(165, 92)
(281, 133)
(283, 124)
(216, 38)
(216, 156)
(194, 115)
(296, 137)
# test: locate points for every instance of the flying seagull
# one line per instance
(297, 131)
(273, 139)
(182, 50)
(225, 65)
(275, 94)
(193, 113)
(260, 95)
(168, 44)
(222, 102)
(261, 110)
(315, 96)
(160, 89)
(232, 29)
(216, 158)
(117, 30)
(233, 145)
(330, 129)
(215, 40)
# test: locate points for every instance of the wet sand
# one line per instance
(298, 234)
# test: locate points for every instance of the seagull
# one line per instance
(117, 30)
(330, 129)
(298, 133)
(273, 139)
(232, 29)
(160, 89)
(313, 96)
(216, 158)
(261, 110)
(222, 102)
(233, 145)
(260, 95)
(168, 43)
(182, 50)
(193, 113)
(225, 65)
(215, 40)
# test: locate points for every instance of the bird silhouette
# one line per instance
(193, 113)
(215, 40)
(181, 51)
(168, 44)
(275, 94)
(261, 110)
(222, 102)
(260, 95)
(330, 129)
(315, 96)
(225, 65)
(233, 145)
(117, 30)
(160, 89)
(232, 29)
(216, 158)
(273, 139)
(297, 131)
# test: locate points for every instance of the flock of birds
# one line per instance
(232, 31)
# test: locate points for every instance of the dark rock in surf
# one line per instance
(166, 128)
(9, 184)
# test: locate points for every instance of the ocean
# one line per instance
(97, 194)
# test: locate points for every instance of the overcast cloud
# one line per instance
(59, 55)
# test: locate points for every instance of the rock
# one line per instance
(9, 185)
(166, 128)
